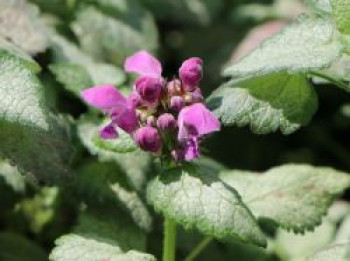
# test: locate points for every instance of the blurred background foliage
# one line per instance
(88, 46)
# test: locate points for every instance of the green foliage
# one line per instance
(267, 103)
(197, 199)
(135, 164)
(293, 196)
(312, 44)
(77, 71)
(117, 38)
(98, 239)
(27, 127)
(334, 253)
(15, 247)
(340, 12)
(12, 177)
(105, 183)
(20, 22)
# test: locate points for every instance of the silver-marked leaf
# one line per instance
(335, 253)
(77, 71)
(267, 103)
(322, 6)
(20, 22)
(31, 137)
(293, 196)
(341, 14)
(117, 38)
(74, 77)
(98, 239)
(308, 43)
(296, 247)
(200, 200)
(11, 49)
(135, 164)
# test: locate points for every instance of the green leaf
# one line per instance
(267, 103)
(31, 137)
(311, 44)
(200, 200)
(293, 196)
(340, 12)
(17, 248)
(11, 49)
(101, 239)
(12, 177)
(20, 22)
(184, 12)
(334, 253)
(296, 247)
(322, 6)
(77, 71)
(40, 209)
(117, 38)
(99, 183)
(135, 164)
(74, 77)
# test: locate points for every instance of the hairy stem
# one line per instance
(196, 251)
(169, 243)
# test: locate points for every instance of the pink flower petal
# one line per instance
(103, 97)
(143, 64)
(196, 120)
(126, 119)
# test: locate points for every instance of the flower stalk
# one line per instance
(169, 243)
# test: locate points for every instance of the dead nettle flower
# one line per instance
(164, 117)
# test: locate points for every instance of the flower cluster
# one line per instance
(164, 117)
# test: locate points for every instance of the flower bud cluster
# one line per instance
(164, 117)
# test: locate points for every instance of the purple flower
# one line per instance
(109, 132)
(111, 101)
(188, 150)
(149, 89)
(195, 121)
(148, 139)
(191, 73)
(166, 122)
(143, 64)
(149, 85)
(103, 97)
(135, 99)
(177, 103)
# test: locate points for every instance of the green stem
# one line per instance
(333, 80)
(196, 251)
(169, 240)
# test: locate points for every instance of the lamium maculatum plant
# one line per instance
(107, 154)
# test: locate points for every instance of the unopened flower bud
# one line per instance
(149, 89)
(108, 132)
(166, 122)
(177, 103)
(191, 73)
(148, 139)
(174, 87)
